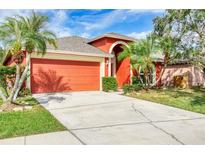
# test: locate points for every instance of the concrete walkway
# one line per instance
(56, 138)
(109, 118)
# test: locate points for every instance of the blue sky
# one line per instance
(91, 23)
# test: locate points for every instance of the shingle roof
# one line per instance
(114, 35)
(76, 44)
(157, 56)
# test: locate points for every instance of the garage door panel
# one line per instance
(62, 76)
(70, 67)
(84, 70)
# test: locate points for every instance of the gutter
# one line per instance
(80, 53)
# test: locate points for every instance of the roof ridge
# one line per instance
(113, 35)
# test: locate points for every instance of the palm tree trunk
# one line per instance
(23, 77)
(160, 77)
(2, 96)
(18, 75)
(166, 59)
(149, 78)
(140, 78)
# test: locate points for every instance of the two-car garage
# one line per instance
(51, 75)
(74, 66)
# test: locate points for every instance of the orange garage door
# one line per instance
(64, 75)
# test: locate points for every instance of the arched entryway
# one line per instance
(119, 69)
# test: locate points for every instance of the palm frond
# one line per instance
(124, 54)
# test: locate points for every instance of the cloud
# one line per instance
(102, 21)
(11, 13)
(140, 35)
(86, 35)
(151, 11)
(85, 22)
(57, 23)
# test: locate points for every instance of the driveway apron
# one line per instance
(98, 117)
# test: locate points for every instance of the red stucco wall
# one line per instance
(105, 43)
(158, 71)
(106, 66)
(123, 73)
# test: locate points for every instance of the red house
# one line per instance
(79, 64)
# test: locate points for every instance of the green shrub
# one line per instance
(25, 92)
(26, 100)
(135, 80)
(109, 83)
(6, 72)
(131, 88)
(127, 88)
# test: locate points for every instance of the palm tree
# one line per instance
(36, 38)
(11, 36)
(24, 34)
(2, 54)
(140, 54)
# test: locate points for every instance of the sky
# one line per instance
(92, 23)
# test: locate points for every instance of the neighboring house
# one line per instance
(196, 76)
(79, 64)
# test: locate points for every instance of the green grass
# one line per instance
(35, 121)
(188, 99)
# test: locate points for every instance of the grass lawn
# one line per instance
(188, 99)
(35, 121)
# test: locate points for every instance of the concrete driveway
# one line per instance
(110, 118)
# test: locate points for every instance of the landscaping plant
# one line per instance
(140, 55)
(23, 36)
(7, 75)
(109, 84)
(131, 88)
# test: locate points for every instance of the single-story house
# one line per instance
(78, 64)
(196, 76)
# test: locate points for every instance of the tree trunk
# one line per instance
(23, 77)
(141, 80)
(160, 77)
(166, 59)
(140, 76)
(2, 96)
(18, 75)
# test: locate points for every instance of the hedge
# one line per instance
(131, 88)
(109, 83)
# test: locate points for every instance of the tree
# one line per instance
(140, 54)
(22, 35)
(2, 53)
(180, 34)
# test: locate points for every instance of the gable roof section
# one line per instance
(113, 35)
(76, 45)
